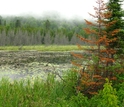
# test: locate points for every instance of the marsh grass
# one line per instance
(44, 48)
(41, 48)
(39, 93)
(48, 93)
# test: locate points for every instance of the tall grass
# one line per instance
(50, 93)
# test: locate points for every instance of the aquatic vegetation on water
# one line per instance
(31, 70)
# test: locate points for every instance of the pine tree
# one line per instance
(114, 6)
(17, 23)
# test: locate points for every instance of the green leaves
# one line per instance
(108, 96)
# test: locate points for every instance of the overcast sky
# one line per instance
(65, 8)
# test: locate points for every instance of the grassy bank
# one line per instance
(41, 48)
(44, 47)
(53, 93)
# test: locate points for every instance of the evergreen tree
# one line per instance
(0, 20)
(116, 15)
(18, 23)
(47, 24)
(4, 23)
(94, 69)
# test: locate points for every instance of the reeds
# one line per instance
(51, 93)
(39, 93)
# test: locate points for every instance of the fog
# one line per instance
(65, 9)
(38, 8)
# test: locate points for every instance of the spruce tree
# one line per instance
(117, 14)
(18, 23)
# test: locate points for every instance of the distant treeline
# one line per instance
(34, 31)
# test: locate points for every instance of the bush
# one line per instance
(120, 93)
(106, 97)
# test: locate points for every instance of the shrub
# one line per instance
(106, 97)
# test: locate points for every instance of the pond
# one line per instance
(30, 64)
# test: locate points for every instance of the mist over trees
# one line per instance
(40, 31)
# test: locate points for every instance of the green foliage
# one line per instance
(115, 6)
(109, 97)
(79, 101)
(106, 97)
(38, 92)
(56, 91)
(120, 93)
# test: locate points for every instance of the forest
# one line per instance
(26, 30)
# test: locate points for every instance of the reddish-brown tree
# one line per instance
(96, 66)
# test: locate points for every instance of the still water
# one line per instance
(30, 64)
